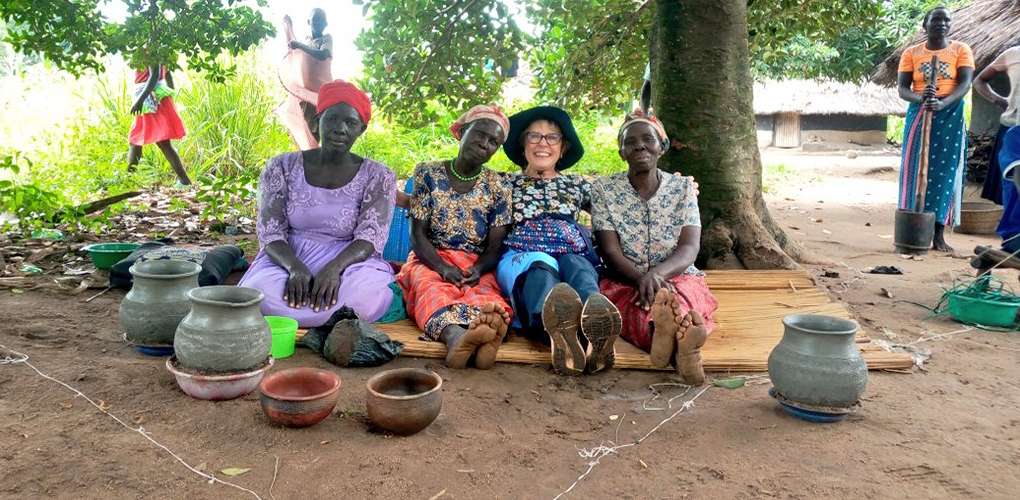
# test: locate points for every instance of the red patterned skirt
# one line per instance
(692, 294)
(435, 303)
(163, 125)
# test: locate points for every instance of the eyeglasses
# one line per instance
(550, 139)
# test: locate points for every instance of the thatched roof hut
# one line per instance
(825, 97)
(794, 113)
(988, 26)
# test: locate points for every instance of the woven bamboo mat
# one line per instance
(749, 324)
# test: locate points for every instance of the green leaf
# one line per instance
(233, 471)
(729, 383)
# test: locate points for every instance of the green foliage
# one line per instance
(852, 52)
(25, 206)
(225, 199)
(29, 203)
(74, 35)
(592, 54)
(452, 53)
(231, 132)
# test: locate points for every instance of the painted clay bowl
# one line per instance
(218, 387)
(404, 401)
(299, 397)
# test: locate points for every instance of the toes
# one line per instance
(696, 318)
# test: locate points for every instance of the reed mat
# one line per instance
(752, 305)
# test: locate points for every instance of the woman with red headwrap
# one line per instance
(648, 229)
(460, 213)
(324, 215)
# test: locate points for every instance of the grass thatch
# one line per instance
(988, 26)
(825, 97)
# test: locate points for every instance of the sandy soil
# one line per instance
(515, 431)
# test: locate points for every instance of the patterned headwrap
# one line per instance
(640, 116)
(339, 91)
(487, 111)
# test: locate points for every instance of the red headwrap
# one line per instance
(339, 91)
(487, 111)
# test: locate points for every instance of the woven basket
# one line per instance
(979, 217)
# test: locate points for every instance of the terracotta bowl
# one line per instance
(299, 397)
(404, 401)
(216, 387)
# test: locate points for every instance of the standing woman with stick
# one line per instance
(931, 176)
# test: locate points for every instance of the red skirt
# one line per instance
(692, 294)
(163, 125)
(435, 303)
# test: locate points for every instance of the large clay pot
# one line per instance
(158, 300)
(225, 331)
(817, 364)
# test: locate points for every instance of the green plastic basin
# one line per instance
(982, 311)
(284, 332)
(105, 255)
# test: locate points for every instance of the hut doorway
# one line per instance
(787, 130)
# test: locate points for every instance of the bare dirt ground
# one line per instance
(952, 431)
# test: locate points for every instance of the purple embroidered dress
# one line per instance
(319, 223)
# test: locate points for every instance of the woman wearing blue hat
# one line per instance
(549, 267)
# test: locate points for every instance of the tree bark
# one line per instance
(702, 92)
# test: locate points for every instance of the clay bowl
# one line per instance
(299, 397)
(404, 401)
(217, 387)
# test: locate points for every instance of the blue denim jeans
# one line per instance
(530, 290)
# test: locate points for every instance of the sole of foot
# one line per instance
(497, 319)
(689, 339)
(601, 324)
(665, 313)
(463, 348)
(561, 318)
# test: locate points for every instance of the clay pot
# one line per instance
(216, 387)
(817, 365)
(299, 397)
(404, 401)
(225, 331)
(158, 300)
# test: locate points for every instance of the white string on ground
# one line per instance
(596, 454)
(22, 358)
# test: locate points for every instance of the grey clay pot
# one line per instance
(817, 363)
(225, 331)
(158, 300)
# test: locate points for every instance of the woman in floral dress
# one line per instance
(549, 267)
(460, 213)
(648, 229)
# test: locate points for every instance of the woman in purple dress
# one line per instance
(324, 215)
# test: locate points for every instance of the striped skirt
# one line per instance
(946, 153)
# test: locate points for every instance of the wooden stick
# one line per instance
(922, 163)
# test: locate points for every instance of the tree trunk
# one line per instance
(702, 91)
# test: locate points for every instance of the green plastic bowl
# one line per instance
(284, 332)
(982, 311)
(105, 255)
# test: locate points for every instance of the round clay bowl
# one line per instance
(404, 401)
(299, 397)
(216, 387)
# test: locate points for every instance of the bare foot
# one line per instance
(689, 339)
(561, 318)
(601, 323)
(666, 319)
(463, 345)
(942, 246)
(497, 319)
